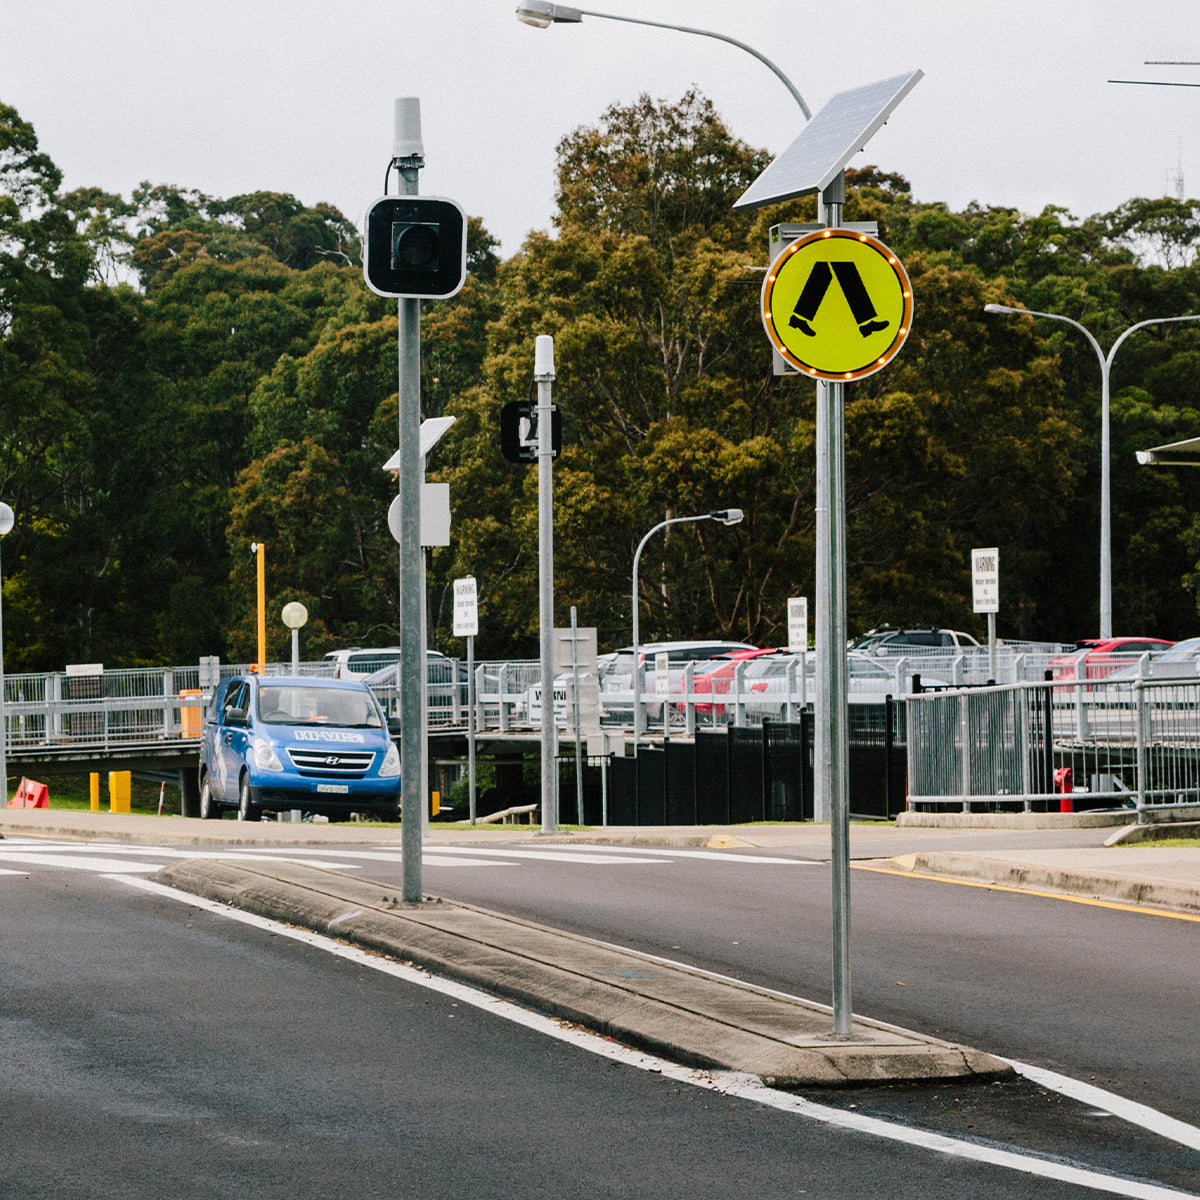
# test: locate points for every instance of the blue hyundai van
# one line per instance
(276, 743)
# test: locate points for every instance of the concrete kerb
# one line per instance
(681, 1014)
(1101, 886)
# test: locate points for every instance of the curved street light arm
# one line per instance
(721, 37)
(1142, 325)
(537, 12)
(727, 516)
(1105, 440)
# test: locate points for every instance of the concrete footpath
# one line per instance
(682, 1014)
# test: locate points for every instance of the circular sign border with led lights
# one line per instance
(837, 304)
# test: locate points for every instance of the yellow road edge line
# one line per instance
(1001, 887)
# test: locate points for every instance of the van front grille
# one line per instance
(340, 763)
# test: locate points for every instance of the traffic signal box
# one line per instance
(416, 247)
(519, 431)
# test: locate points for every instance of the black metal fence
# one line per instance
(735, 776)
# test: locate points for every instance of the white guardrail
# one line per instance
(94, 708)
(89, 707)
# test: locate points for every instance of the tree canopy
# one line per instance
(182, 375)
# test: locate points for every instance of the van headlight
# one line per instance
(391, 761)
(265, 758)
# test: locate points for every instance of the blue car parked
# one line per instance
(276, 743)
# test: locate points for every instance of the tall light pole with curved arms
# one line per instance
(541, 15)
(727, 516)
(1105, 470)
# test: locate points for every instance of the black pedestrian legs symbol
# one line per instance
(853, 289)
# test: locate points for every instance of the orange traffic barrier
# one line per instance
(191, 719)
(30, 794)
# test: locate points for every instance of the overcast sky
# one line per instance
(232, 96)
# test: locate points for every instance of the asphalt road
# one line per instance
(151, 1048)
(1096, 992)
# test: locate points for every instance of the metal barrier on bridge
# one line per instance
(1133, 743)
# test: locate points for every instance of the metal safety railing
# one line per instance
(1132, 743)
(102, 708)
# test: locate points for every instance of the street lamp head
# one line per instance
(1004, 308)
(727, 516)
(541, 14)
(294, 615)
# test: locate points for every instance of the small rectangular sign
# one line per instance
(985, 580)
(797, 624)
(662, 674)
(579, 649)
(466, 607)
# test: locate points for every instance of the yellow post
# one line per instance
(119, 786)
(437, 804)
(94, 782)
(261, 551)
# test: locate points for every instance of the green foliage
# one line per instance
(182, 375)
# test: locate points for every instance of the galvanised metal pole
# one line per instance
(471, 686)
(578, 731)
(6, 523)
(832, 800)
(543, 375)
(412, 649)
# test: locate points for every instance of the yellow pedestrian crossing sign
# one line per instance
(837, 304)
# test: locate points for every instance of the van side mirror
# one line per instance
(395, 727)
(235, 716)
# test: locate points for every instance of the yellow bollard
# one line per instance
(94, 782)
(119, 786)
(437, 804)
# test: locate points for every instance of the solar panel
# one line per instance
(829, 141)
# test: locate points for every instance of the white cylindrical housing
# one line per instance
(407, 127)
(543, 357)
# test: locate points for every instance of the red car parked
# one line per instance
(1100, 657)
(715, 677)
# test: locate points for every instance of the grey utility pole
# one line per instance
(6, 523)
(543, 375)
(831, 787)
(408, 157)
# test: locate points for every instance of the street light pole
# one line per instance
(1105, 442)
(541, 14)
(6, 524)
(727, 516)
(544, 376)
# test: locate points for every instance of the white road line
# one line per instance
(731, 1083)
(560, 856)
(1118, 1106)
(439, 860)
(645, 853)
(81, 862)
(107, 858)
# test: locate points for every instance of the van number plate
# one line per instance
(342, 789)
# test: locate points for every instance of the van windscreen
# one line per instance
(317, 706)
